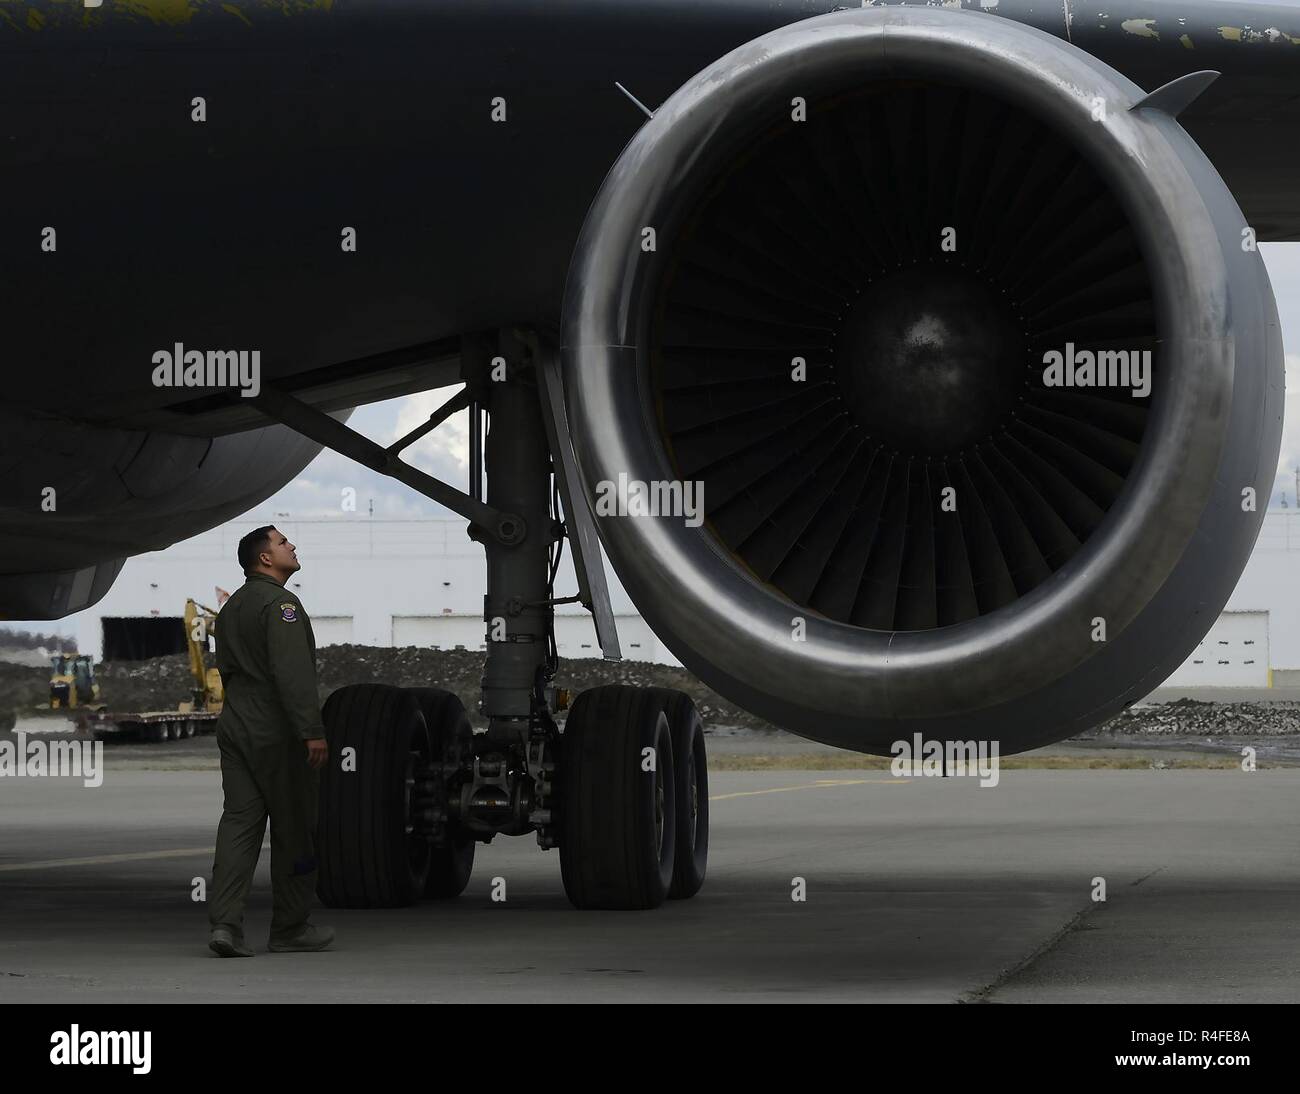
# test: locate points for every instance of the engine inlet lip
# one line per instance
(839, 669)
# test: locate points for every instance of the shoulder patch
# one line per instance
(289, 613)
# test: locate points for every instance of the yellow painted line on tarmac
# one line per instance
(98, 860)
(820, 784)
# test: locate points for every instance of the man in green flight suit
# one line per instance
(272, 746)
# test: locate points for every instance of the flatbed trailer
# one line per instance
(150, 725)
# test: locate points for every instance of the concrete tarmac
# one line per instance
(917, 889)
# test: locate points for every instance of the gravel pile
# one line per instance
(461, 671)
(159, 683)
(162, 682)
(23, 686)
(1192, 718)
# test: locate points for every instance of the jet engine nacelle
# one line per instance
(120, 492)
(888, 286)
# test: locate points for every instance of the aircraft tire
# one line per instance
(691, 769)
(618, 818)
(452, 863)
(368, 851)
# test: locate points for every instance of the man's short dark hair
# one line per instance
(253, 545)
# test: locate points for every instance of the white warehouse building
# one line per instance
(371, 582)
(421, 583)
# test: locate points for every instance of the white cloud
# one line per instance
(444, 454)
(447, 446)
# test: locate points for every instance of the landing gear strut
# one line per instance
(623, 792)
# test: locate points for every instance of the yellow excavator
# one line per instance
(191, 717)
(200, 622)
(72, 681)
